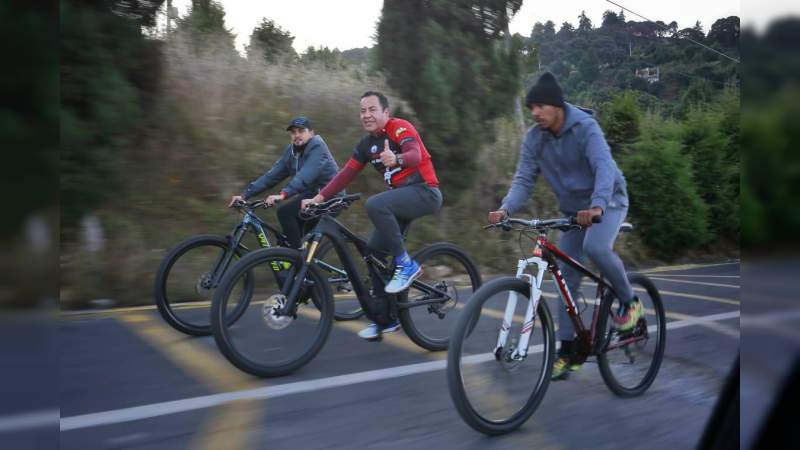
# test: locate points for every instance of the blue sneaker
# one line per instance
(404, 275)
(371, 332)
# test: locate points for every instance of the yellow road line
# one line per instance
(345, 296)
(699, 283)
(393, 339)
(696, 276)
(228, 427)
(709, 298)
(718, 327)
(687, 267)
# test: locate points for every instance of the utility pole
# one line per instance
(519, 119)
(169, 15)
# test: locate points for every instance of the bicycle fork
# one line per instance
(535, 282)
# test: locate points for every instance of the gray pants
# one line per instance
(392, 212)
(291, 225)
(597, 243)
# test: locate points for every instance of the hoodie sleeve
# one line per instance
(278, 172)
(524, 179)
(317, 155)
(603, 166)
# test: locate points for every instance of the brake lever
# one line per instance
(504, 225)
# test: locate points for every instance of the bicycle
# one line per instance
(189, 274)
(290, 333)
(481, 361)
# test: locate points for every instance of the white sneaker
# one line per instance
(371, 332)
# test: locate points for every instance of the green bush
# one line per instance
(671, 214)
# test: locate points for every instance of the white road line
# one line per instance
(26, 421)
(207, 401)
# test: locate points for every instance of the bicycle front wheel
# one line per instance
(427, 315)
(184, 283)
(629, 361)
(261, 342)
(495, 384)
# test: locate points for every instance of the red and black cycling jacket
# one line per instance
(414, 160)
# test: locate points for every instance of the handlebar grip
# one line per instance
(595, 219)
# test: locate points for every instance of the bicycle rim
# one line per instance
(453, 273)
(260, 342)
(629, 370)
(494, 392)
(183, 284)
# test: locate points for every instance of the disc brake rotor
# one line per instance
(269, 312)
(203, 286)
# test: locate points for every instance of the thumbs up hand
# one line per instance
(388, 158)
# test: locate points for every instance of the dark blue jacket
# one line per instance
(310, 170)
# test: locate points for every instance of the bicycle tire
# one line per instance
(322, 298)
(603, 363)
(464, 327)
(160, 284)
(438, 249)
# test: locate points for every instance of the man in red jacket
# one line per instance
(395, 149)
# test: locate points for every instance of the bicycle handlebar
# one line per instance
(250, 205)
(541, 224)
(329, 206)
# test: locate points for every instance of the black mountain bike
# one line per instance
(288, 321)
(189, 274)
(503, 344)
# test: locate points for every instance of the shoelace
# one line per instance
(398, 272)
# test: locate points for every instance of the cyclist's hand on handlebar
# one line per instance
(587, 216)
(498, 216)
(272, 199)
(310, 201)
(235, 199)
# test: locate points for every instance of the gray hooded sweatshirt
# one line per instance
(577, 164)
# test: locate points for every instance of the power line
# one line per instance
(683, 37)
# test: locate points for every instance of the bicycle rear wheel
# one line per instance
(183, 284)
(450, 270)
(493, 391)
(262, 343)
(629, 361)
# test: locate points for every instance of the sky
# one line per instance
(345, 24)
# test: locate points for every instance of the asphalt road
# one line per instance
(128, 380)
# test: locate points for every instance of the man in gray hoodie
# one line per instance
(568, 147)
(310, 165)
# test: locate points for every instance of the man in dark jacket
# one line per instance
(310, 165)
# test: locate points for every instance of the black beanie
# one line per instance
(546, 91)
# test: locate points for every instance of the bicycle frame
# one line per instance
(338, 233)
(250, 222)
(545, 257)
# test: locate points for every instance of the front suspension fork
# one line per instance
(535, 283)
(295, 282)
